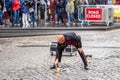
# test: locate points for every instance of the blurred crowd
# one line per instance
(23, 13)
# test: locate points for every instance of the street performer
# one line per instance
(69, 39)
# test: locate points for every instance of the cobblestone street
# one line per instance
(28, 58)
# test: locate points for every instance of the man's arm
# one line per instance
(59, 51)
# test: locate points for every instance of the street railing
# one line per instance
(96, 14)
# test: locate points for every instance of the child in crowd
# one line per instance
(25, 11)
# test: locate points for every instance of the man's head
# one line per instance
(60, 39)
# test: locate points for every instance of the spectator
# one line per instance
(52, 9)
(91, 2)
(60, 11)
(6, 20)
(9, 9)
(42, 9)
(47, 3)
(20, 11)
(48, 11)
(32, 12)
(16, 8)
(25, 10)
(78, 4)
(1, 12)
(70, 11)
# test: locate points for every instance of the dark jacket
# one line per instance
(8, 4)
(31, 4)
(25, 7)
(60, 8)
(2, 6)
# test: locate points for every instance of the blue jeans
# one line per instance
(79, 15)
(32, 17)
(1, 15)
(16, 16)
(70, 15)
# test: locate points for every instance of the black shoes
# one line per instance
(86, 68)
(54, 66)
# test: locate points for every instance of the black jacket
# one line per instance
(60, 8)
(2, 5)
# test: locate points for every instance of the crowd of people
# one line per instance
(24, 12)
(17, 11)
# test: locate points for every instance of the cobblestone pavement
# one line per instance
(28, 58)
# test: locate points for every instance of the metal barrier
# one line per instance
(95, 14)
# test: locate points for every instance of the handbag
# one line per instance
(31, 10)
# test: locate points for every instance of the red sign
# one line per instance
(93, 14)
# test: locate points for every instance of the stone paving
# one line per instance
(28, 58)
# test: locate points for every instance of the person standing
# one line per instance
(78, 9)
(70, 11)
(25, 11)
(8, 6)
(32, 12)
(16, 8)
(52, 10)
(60, 10)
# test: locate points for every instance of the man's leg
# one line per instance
(68, 16)
(60, 55)
(61, 17)
(82, 55)
(15, 14)
(23, 20)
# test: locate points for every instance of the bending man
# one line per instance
(69, 39)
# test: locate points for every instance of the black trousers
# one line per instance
(61, 49)
(60, 17)
(82, 55)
